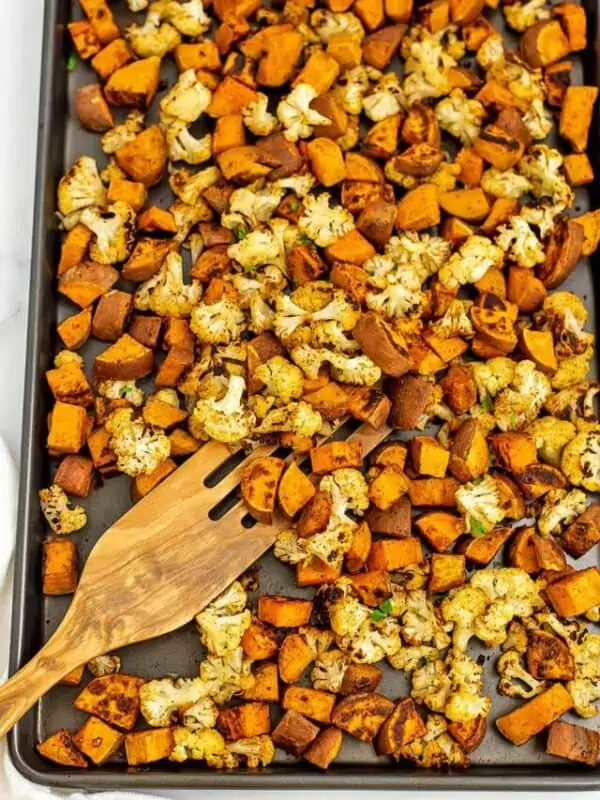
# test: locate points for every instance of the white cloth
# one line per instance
(12, 785)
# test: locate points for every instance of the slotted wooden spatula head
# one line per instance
(153, 571)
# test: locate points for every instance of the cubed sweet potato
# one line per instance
(156, 220)
(372, 587)
(73, 678)
(418, 209)
(266, 683)
(295, 490)
(440, 529)
(481, 550)
(395, 554)
(146, 747)
(360, 678)
(284, 612)
(177, 360)
(573, 18)
(520, 725)
(379, 48)
(357, 555)
(69, 384)
(352, 247)
(468, 735)
(75, 475)
(230, 97)
(294, 733)
(548, 657)
(584, 533)
(544, 43)
(433, 492)
(113, 698)
(576, 593)
(428, 457)
(92, 109)
(144, 159)
(393, 522)
(294, 657)
(468, 204)
(573, 742)
(325, 748)
(335, 455)
(146, 330)
(59, 566)
(576, 115)
(402, 727)
(135, 84)
(229, 132)
(446, 572)
(97, 740)
(86, 282)
(331, 401)
(459, 387)
(362, 715)
(388, 487)
(326, 162)
(259, 641)
(142, 485)
(111, 314)
(61, 749)
(84, 39)
(377, 340)
(578, 169)
(312, 703)
(241, 165)
(124, 360)
(102, 19)
(68, 428)
(316, 572)
(241, 722)
(381, 140)
(259, 486)
(514, 450)
(111, 58)
(398, 10)
(130, 192)
(525, 289)
(469, 453)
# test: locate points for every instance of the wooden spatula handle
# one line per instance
(46, 668)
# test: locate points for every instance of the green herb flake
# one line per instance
(72, 62)
(487, 404)
(302, 239)
(476, 527)
(294, 205)
(513, 419)
(240, 232)
(382, 611)
(477, 481)
(173, 675)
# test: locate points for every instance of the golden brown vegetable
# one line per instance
(125, 360)
(61, 749)
(548, 657)
(284, 612)
(573, 742)
(325, 748)
(433, 492)
(259, 486)
(360, 678)
(419, 209)
(266, 683)
(468, 735)
(294, 733)
(395, 554)
(520, 725)
(584, 533)
(59, 566)
(469, 453)
(576, 115)
(146, 747)
(377, 340)
(335, 455)
(92, 109)
(544, 43)
(481, 550)
(249, 719)
(313, 703)
(113, 698)
(469, 204)
(440, 529)
(446, 572)
(144, 159)
(97, 740)
(388, 487)
(362, 715)
(576, 593)
(402, 727)
(428, 456)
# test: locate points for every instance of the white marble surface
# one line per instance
(20, 37)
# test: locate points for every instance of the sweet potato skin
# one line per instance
(362, 715)
(325, 748)
(294, 733)
(573, 742)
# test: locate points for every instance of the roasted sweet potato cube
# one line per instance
(142, 485)
(402, 727)
(111, 58)
(514, 450)
(388, 487)
(102, 456)
(501, 210)
(86, 282)
(521, 552)
(398, 10)
(428, 457)
(576, 115)
(146, 258)
(544, 43)
(335, 455)
(549, 554)
(135, 84)
(146, 330)
(525, 289)
(73, 248)
(464, 11)
(182, 443)
(315, 572)
(372, 587)
(74, 475)
(102, 19)
(177, 360)
(294, 657)
(240, 164)
(584, 533)
(361, 168)
(379, 48)
(325, 748)
(331, 401)
(124, 360)
(362, 715)
(460, 390)
(146, 747)
(381, 140)
(481, 550)
(144, 159)
(326, 161)
(536, 480)
(72, 678)
(84, 38)
(469, 454)
(376, 339)
(259, 486)
(155, 219)
(389, 453)
(97, 740)
(130, 192)
(68, 428)
(230, 97)
(59, 566)
(279, 60)
(360, 678)
(312, 703)
(284, 612)
(468, 735)
(548, 657)
(92, 109)
(573, 742)
(250, 719)
(69, 384)
(576, 593)
(418, 209)
(346, 50)
(111, 314)
(395, 521)
(376, 222)
(357, 555)
(395, 554)
(370, 12)
(578, 169)
(352, 247)
(315, 515)
(440, 529)
(295, 490)
(294, 733)
(266, 683)
(468, 204)
(259, 641)
(433, 492)
(520, 725)
(410, 396)
(60, 749)
(446, 572)
(499, 148)
(113, 698)
(320, 71)
(305, 264)
(573, 18)
(229, 132)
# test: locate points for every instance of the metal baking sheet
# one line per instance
(496, 764)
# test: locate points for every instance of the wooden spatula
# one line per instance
(152, 571)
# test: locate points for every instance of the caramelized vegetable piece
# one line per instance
(295, 490)
(97, 740)
(113, 698)
(259, 486)
(61, 749)
(124, 360)
(134, 84)
(360, 678)
(146, 747)
(393, 522)
(362, 715)
(418, 209)
(481, 550)
(549, 658)
(469, 454)
(433, 492)
(284, 612)
(468, 735)
(584, 533)
(266, 684)
(395, 554)
(544, 43)
(325, 748)
(499, 148)
(576, 115)
(428, 456)
(525, 290)
(576, 593)
(144, 159)
(440, 529)
(573, 19)
(249, 719)
(59, 567)
(376, 339)
(294, 733)
(402, 727)
(357, 555)
(469, 204)
(313, 703)
(446, 572)
(335, 455)
(387, 488)
(573, 742)
(520, 725)
(379, 48)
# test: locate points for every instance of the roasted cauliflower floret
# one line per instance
(511, 593)
(79, 188)
(323, 223)
(357, 370)
(402, 294)
(455, 321)
(183, 146)
(426, 65)
(107, 664)
(580, 460)
(491, 51)
(515, 681)
(507, 183)
(186, 100)
(551, 435)
(328, 670)
(520, 243)
(114, 231)
(189, 18)
(221, 633)
(225, 420)
(348, 490)
(254, 752)
(419, 620)
(257, 118)
(493, 376)
(226, 676)
(538, 120)
(125, 132)
(462, 607)
(162, 701)
(289, 548)
(294, 417)
(165, 293)
(139, 448)
(385, 100)
(559, 509)
(430, 685)
(460, 116)
(479, 501)
(471, 262)
(121, 390)
(465, 701)
(258, 248)
(290, 315)
(189, 186)
(410, 658)
(217, 323)
(207, 745)
(60, 513)
(541, 166)
(522, 400)
(296, 115)
(521, 16)
(282, 379)
(153, 38)
(327, 24)
(352, 86)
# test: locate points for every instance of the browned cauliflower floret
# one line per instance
(139, 448)
(515, 681)
(114, 232)
(60, 513)
(79, 188)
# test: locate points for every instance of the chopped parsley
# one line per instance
(173, 675)
(303, 239)
(476, 481)
(476, 527)
(240, 232)
(487, 404)
(382, 611)
(72, 62)
(294, 205)
(513, 419)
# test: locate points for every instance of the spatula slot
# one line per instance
(222, 471)
(221, 508)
